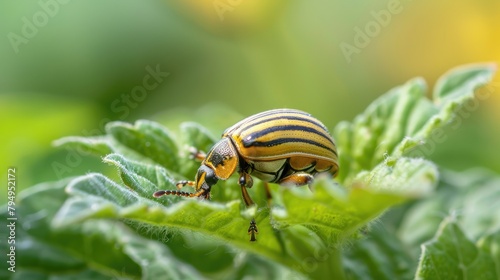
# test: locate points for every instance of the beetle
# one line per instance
(284, 146)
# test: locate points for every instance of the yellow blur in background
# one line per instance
(69, 67)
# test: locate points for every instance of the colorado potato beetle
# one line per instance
(283, 146)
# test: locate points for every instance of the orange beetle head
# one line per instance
(220, 163)
(205, 179)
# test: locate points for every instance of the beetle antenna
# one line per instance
(178, 193)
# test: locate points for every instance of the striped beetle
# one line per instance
(283, 146)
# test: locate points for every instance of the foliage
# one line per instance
(94, 226)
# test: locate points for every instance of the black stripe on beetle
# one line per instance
(247, 142)
(285, 117)
(280, 141)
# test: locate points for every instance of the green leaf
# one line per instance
(248, 266)
(218, 220)
(335, 214)
(403, 119)
(146, 142)
(61, 252)
(98, 145)
(468, 195)
(100, 187)
(193, 135)
(144, 179)
(451, 255)
(407, 176)
(379, 255)
(90, 247)
(35, 254)
(148, 139)
(461, 81)
(155, 259)
(322, 219)
(490, 244)
(70, 275)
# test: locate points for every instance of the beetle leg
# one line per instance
(246, 197)
(196, 154)
(245, 180)
(297, 179)
(183, 183)
(252, 229)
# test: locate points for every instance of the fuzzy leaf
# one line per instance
(451, 255)
(193, 135)
(220, 221)
(90, 247)
(144, 179)
(71, 250)
(98, 145)
(148, 139)
(467, 195)
(146, 142)
(462, 81)
(379, 255)
(335, 214)
(490, 244)
(403, 119)
(327, 216)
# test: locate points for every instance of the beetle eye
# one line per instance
(210, 177)
(207, 175)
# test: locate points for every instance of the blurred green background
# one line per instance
(69, 67)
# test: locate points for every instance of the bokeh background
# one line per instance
(68, 67)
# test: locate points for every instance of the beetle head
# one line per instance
(219, 164)
(205, 179)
